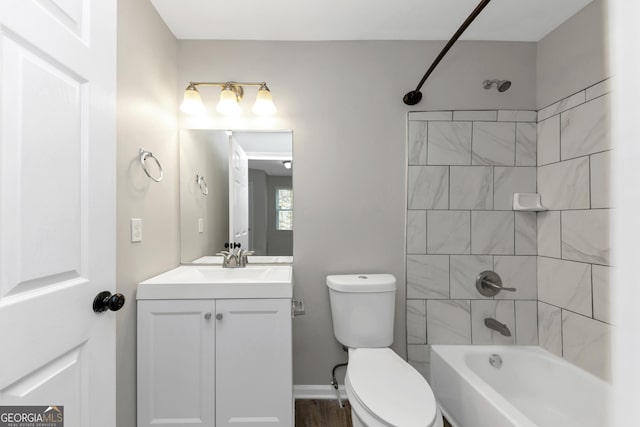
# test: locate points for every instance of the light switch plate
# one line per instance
(136, 230)
(200, 225)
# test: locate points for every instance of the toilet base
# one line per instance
(357, 422)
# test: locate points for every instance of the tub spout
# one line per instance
(497, 326)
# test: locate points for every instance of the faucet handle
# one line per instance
(222, 253)
(489, 284)
(243, 255)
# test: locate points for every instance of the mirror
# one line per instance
(236, 186)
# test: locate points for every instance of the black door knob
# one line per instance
(105, 301)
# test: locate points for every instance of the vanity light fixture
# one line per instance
(287, 164)
(230, 96)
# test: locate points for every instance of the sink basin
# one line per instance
(215, 282)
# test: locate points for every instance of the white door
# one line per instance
(57, 206)
(238, 194)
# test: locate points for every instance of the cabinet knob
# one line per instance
(219, 316)
(207, 316)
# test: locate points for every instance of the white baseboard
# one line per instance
(318, 392)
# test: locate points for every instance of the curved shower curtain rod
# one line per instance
(413, 97)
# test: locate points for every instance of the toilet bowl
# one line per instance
(382, 388)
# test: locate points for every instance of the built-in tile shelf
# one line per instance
(527, 202)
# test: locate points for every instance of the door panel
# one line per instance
(42, 171)
(53, 379)
(253, 363)
(57, 206)
(68, 13)
(176, 341)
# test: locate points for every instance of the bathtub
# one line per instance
(532, 388)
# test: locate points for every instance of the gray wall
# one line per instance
(258, 205)
(574, 55)
(343, 101)
(206, 154)
(146, 118)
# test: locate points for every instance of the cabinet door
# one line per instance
(176, 347)
(253, 363)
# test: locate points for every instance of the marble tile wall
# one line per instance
(574, 252)
(463, 168)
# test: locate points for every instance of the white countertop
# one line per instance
(215, 282)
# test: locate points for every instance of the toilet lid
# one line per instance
(390, 388)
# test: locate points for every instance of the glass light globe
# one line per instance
(264, 102)
(228, 104)
(192, 102)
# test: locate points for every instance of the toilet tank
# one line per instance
(362, 309)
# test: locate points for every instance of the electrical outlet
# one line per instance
(200, 225)
(136, 230)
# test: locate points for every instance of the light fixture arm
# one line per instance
(222, 84)
(236, 87)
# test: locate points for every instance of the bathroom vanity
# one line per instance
(214, 347)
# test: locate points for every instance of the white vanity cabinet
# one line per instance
(176, 362)
(215, 362)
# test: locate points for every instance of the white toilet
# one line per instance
(382, 388)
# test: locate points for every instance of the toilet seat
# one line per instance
(391, 390)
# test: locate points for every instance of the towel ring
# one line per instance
(202, 184)
(144, 155)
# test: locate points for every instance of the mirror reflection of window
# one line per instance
(284, 209)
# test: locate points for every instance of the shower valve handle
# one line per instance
(488, 283)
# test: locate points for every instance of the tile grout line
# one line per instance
(426, 142)
(593, 312)
(515, 323)
(562, 332)
(586, 101)
(590, 167)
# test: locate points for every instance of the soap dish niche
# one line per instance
(529, 202)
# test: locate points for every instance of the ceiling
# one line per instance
(270, 167)
(267, 150)
(507, 20)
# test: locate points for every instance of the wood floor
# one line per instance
(325, 413)
(322, 413)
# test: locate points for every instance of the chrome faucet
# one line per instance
(497, 326)
(243, 257)
(235, 259)
(229, 259)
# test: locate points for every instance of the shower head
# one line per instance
(504, 85)
(501, 85)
